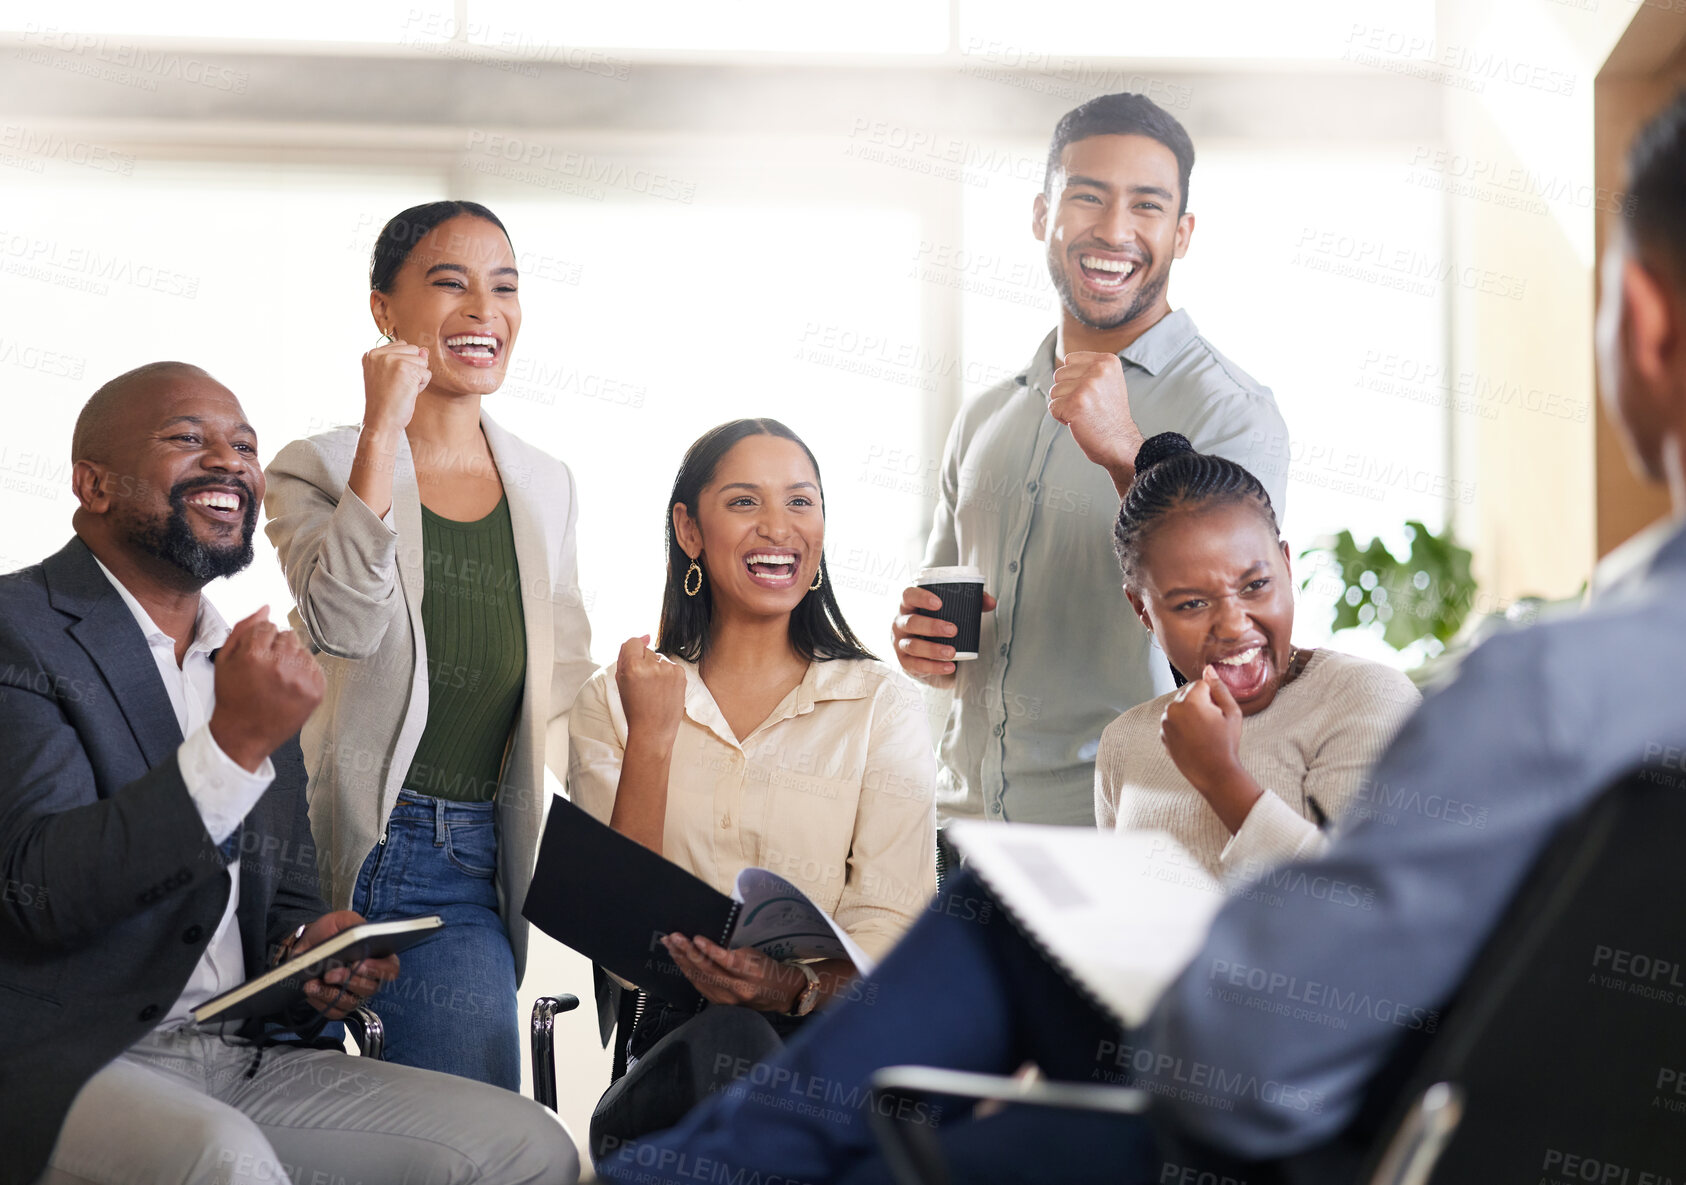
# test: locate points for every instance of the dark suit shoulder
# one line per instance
(24, 615)
(38, 604)
(21, 591)
(67, 583)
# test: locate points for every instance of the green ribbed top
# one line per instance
(476, 655)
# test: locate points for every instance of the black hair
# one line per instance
(1171, 476)
(817, 629)
(405, 229)
(1656, 184)
(1123, 115)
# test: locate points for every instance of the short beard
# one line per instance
(174, 542)
(1146, 297)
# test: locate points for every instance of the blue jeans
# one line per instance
(452, 1007)
(964, 990)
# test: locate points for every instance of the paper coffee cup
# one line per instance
(961, 589)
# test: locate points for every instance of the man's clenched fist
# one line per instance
(1089, 396)
(268, 684)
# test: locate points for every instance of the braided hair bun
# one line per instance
(1157, 448)
(1172, 475)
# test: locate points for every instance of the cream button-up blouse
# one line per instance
(834, 791)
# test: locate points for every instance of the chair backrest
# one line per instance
(1567, 1041)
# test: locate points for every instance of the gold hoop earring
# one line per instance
(819, 579)
(388, 336)
(689, 591)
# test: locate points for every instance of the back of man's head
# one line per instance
(1122, 114)
(1656, 166)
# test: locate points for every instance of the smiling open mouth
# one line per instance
(223, 506)
(1103, 272)
(1244, 672)
(775, 569)
(476, 349)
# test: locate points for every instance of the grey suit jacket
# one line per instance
(358, 585)
(110, 887)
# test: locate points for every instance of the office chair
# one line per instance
(545, 1011)
(1563, 1052)
(367, 1032)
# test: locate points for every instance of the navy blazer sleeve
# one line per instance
(73, 863)
(283, 862)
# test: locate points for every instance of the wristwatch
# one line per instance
(810, 995)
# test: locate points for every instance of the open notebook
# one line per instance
(613, 899)
(1119, 913)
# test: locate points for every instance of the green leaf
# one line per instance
(1428, 594)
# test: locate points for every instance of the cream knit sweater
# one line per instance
(1317, 739)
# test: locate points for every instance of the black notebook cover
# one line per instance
(613, 899)
(272, 993)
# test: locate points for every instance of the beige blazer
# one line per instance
(357, 582)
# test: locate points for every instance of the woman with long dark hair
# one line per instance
(759, 732)
(432, 557)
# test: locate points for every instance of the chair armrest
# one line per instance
(545, 1011)
(911, 1148)
(1421, 1137)
(1041, 1092)
(368, 1031)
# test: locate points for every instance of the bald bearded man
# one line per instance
(155, 851)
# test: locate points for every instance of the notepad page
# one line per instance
(1119, 913)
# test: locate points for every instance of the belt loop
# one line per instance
(438, 822)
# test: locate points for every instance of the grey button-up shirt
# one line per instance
(1063, 655)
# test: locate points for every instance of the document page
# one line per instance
(1119, 913)
(780, 921)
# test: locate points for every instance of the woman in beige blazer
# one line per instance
(432, 558)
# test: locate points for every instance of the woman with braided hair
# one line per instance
(1263, 739)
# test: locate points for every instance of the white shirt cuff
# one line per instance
(1272, 833)
(224, 791)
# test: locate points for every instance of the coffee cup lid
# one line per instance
(954, 574)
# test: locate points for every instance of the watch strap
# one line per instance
(809, 995)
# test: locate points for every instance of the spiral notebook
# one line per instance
(1119, 913)
(613, 899)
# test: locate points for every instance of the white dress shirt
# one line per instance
(221, 790)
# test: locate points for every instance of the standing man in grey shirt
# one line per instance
(1034, 470)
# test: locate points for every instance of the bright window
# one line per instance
(1066, 36)
(381, 21)
(863, 26)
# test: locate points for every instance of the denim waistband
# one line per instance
(419, 808)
